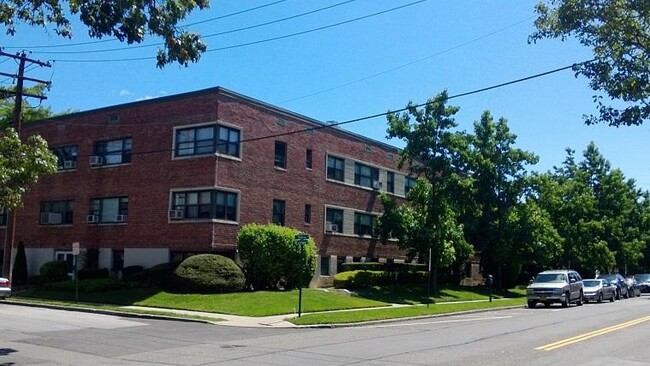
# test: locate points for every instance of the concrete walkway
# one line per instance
(278, 321)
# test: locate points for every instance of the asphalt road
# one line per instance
(594, 334)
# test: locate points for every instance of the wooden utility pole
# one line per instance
(18, 93)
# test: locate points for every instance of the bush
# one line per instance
(130, 271)
(156, 276)
(364, 279)
(376, 266)
(19, 275)
(89, 273)
(89, 285)
(54, 271)
(271, 259)
(207, 273)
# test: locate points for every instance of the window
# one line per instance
(3, 217)
(364, 224)
(308, 214)
(68, 258)
(113, 209)
(278, 212)
(309, 158)
(335, 168)
(390, 182)
(408, 184)
(67, 157)
(207, 140)
(113, 152)
(205, 204)
(280, 154)
(334, 220)
(365, 175)
(57, 212)
(325, 265)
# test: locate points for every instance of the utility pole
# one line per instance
(18, 93)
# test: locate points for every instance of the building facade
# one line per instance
(154, 181)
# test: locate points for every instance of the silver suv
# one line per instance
(562, 286)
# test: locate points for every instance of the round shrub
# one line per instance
(156, 276)
(54, 271)
(272, 259)
(207, 273)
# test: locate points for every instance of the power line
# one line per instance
(187, 25)
(407, 64)
(360, 118)
(262, 40)
(208, 35)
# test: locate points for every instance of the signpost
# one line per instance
(75, 253)
(301, 239)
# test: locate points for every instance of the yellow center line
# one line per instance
(584, 337)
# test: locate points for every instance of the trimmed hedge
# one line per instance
(376, 266)
(363, 279)
(156, 276)
(54, 271)
(89, 273)
(207, 273)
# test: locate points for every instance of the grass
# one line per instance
(348, 317)
(323, 305)
(260, 303)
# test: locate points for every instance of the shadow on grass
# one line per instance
(127, 296)
(417, 294)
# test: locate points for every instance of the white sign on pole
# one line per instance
(75, 248)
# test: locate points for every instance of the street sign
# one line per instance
(75, 248)
(301, 238)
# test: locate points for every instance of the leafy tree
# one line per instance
(21, 164)
(272, 260)
(128, 21)
(29, 113)
(435, 153)
(498, 172)
(618, 32)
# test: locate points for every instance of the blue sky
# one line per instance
(367, 64)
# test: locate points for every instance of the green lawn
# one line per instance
(264, 303)
(347, 317)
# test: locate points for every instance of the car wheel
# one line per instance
(581, 299)
(600, 298)
(626, 295)
(532, 304)
(618, 294)
(547, 304)
(567, 300)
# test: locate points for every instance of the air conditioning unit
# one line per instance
(376, 184)
(96, 160)
(331, 228)
(70, 164)
(51, 218)
(121, 218)
(92, 219)
(176, 214)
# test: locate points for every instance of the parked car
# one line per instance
(555, 286)
(619, 281)
(598, 290)
(633, 288)
(5, 288)
(643, 281)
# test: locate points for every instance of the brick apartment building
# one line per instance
(155, 181)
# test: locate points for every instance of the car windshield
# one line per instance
(550, 277)
(591, 283)
(642, 277)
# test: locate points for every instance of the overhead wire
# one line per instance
(359, 119)
(186, 25)
(270, 39)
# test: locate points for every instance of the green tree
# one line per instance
(272, 260)
(127, 21)
(618, 32)
(435, 153)
(29, 113)
(498, 172)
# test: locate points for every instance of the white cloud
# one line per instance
(125, 92)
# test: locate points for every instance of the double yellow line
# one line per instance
(596, 333)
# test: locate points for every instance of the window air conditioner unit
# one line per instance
(95, 160)
(121, 218)
(69, 164)
(376, 184)
(51, 218)
(331, 228)
(92, 219)
(176, 214)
